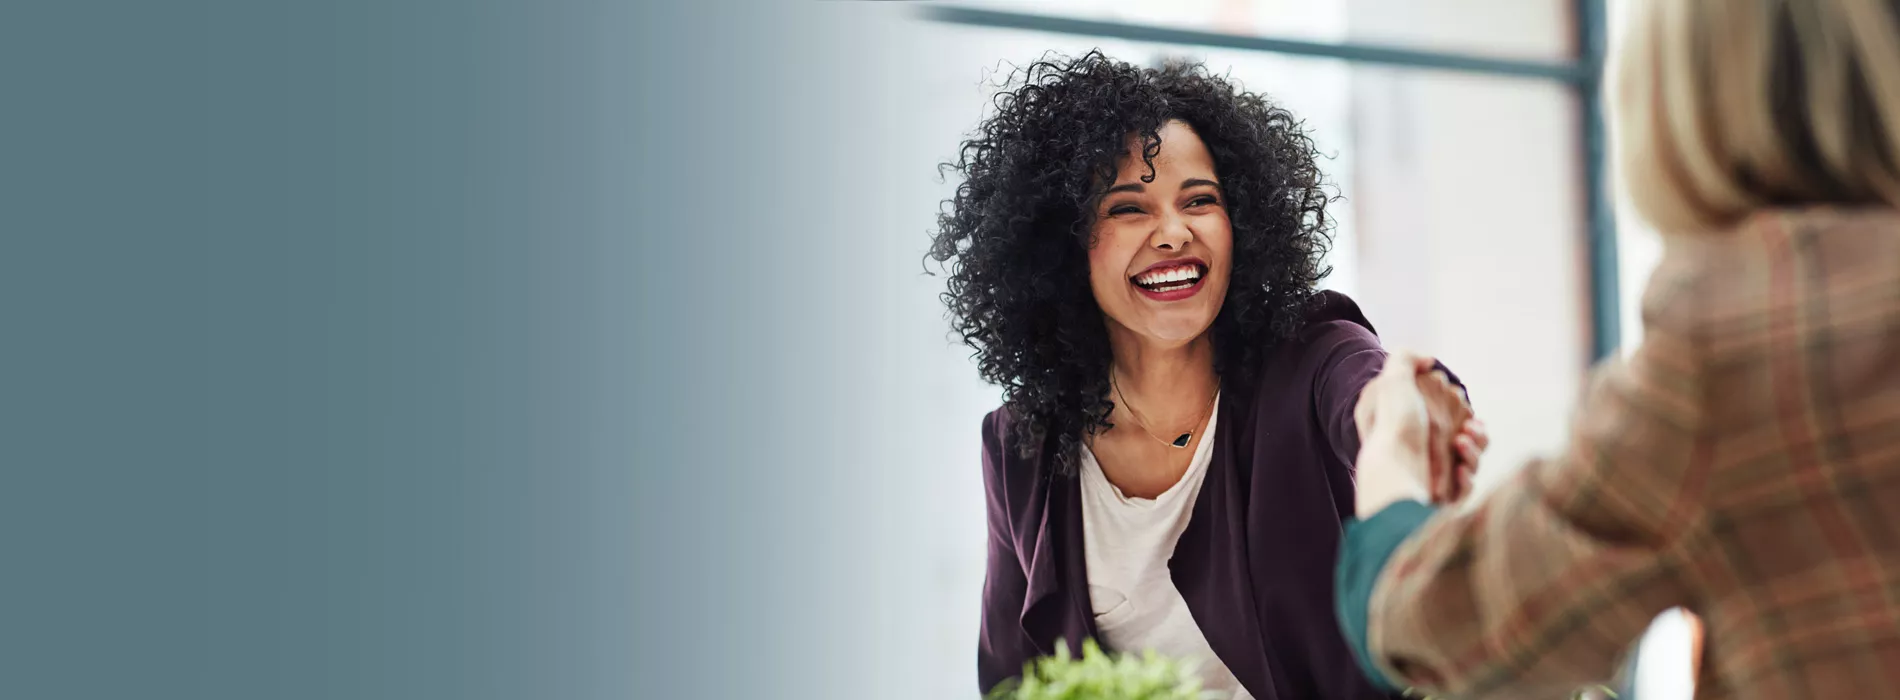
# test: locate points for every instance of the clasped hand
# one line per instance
(1417, 437)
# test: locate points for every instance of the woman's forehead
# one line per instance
(1181, 149)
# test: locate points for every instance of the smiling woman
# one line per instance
(1134, 253)
(1162, 235)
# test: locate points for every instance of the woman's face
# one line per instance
(1161, 253)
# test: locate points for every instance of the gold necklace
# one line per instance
(1180, 442)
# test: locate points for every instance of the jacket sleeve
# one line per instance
(1539, 587)
(1002, 646)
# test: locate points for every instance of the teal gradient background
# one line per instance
(463, 350)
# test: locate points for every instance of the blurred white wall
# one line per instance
(1468, 193)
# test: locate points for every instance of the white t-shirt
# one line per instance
(1128, 542)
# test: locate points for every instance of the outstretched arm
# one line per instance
(1543, 584)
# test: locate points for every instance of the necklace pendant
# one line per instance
(1182, 441)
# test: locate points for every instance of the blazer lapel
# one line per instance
(1056, 605)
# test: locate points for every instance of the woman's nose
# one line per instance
(1172, 234)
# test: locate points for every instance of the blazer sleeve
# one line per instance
(1537, 589)
(1002, 645)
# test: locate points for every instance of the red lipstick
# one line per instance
(1171, 280)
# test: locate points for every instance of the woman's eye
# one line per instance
(1203, 201)
(1124, 209)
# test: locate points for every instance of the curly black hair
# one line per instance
(1016, 233)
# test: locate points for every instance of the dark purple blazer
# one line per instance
(1255, 564)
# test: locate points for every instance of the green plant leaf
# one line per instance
(1099, 675)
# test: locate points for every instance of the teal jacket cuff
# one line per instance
(1362, 555)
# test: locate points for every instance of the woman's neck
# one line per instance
(1167, 383)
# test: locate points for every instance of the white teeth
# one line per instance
(1178, 274)
(1169, 280)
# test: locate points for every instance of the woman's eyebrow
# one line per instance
(1136, 186)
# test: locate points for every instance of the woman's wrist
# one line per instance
(1388, 472)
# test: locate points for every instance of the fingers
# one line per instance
(1444, 484)
(1479, 434)
(1453, 482)
(1439, 479)
(1469, 450)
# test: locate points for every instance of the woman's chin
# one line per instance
(1174, 332)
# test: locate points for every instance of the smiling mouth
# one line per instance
(1169, 279)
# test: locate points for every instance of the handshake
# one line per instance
(1418, 437)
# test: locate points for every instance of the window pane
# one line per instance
(1524, 29)
(1468, 197)
(1528, 29)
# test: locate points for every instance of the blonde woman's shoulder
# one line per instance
(1779, 252)
(1819, 281)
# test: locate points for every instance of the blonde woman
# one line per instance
(1744, 462)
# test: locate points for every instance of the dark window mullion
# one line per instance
(1572, 73)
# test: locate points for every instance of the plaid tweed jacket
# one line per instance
(1743, 463)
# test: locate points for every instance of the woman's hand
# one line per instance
(1417, 435)
(1470, 443)
(1394, 423)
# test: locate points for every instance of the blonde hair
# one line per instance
(1724, 107)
